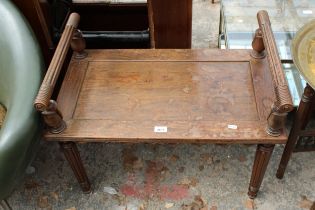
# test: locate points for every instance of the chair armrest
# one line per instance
(283, 102)
(264, 44)
(43, 103)
(42, 100)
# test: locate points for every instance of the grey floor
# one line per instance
(186, 177)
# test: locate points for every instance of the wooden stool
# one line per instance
(167, 96)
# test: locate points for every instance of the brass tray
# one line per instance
(303, 52)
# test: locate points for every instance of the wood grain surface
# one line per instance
(199, 95)
(172, 22)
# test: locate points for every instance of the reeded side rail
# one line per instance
(43, 103)
(264, 45)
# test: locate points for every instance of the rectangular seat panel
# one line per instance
(140, 91)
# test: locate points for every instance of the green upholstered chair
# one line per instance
(21, 66)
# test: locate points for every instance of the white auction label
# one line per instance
(307, 12)
(160, 129)
(234, 127)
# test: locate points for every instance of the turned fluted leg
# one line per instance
(263, 154)
(71, 153)
(300, 121)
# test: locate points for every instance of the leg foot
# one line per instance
(263, 154)
(71, 153)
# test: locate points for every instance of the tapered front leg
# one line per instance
(71, 153)
(263, 154)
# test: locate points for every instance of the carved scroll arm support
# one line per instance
(264, 45)
(43, 103)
